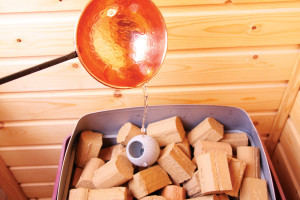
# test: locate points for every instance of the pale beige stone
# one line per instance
(166, 131)
(209, 129)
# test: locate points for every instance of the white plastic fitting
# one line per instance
(142, 150)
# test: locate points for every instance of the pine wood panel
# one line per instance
(257, 1)
(285, 174)
(34, 174)
(35, 132)
(253, 78)
(37, 34)
(31, 155)
(285, 108)
(66, 5)
(37, 6)
(200, 27)
(38, 190)
(290, 140)
(263, 121)
(295, 113)
(55, 5)
(55, 131)
(74, 104)
(14, 6)
(230, 65)
(9, 184)
(190, 27)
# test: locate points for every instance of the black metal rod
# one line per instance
(37, 68)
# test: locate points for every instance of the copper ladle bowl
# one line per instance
(121, 43)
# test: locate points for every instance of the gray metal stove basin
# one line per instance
(109, 122)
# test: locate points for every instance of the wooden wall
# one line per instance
(240, 53)
(286, 158)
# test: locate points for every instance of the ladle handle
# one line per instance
(37, 68)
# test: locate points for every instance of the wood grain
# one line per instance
(205, 66)
(263, 121)
(290, 140)
(65, 5)
(295, 113)
(35, 132)
(190, 27)
(34, 174)
(31, 155)
(285, 174)
(74, 104)
(15, 6)
(227, 65)
(202, 27)
(38, 190)
(37, 34)
(285, 108)
(45, 132)
(257, 1)
(9, 184)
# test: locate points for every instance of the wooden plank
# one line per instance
(263, 121)
(15, 6)
(43, 33)
(285, 174)
(59, 77)
(34, 174)
(35, 132)
(201, 27)
(73, 104)
(162, 3)
(38, 190)
(38, 6)
(205, 66)
(54, 5)
(285, 108)
(290, 140)
(210, 66)
(190, 27)
(31, 155)
(44, 132)
(257, 1)
(9, 184)
(295, 112)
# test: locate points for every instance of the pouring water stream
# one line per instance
(143, 129)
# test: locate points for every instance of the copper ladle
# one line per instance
(121, 43)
